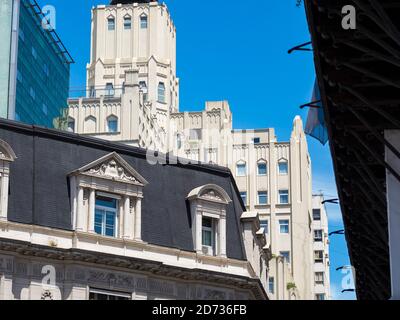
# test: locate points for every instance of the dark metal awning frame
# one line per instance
(358, 75)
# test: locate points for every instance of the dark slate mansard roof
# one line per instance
(39, 185)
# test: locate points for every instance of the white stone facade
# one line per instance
(276, 178)
(321, 250)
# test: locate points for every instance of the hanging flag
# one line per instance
(315, 126)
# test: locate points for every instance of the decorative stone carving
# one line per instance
(214, 295)
(21, 268)
(111, 279)
(112, 169)
(211, 195)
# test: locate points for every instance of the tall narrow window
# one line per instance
(161, 92)
(283, 167)
(284, 226)
(318, 256)
(179, 141)
(71, 125)
(241, 169)
(320, 296)
(262, 169)
(283, 196)
(285, 255)
(318, 235)
(105, 216)
(265, 226)
(262, 197)
(112, 124)
(316, 214)
(208, 234)
(319, 278)
(127, 23)
(243, 195)
(111, 23)
(109, 90)
(143, 22)
(271, 285)
(143, 88)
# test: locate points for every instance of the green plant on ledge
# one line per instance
(291, 285)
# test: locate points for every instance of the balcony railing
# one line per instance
(96, 92)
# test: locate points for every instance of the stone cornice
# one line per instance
(128, 263)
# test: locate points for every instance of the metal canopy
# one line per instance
(358, 74)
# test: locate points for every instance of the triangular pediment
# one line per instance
(112, 167)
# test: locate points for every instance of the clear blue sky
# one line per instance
(236, 51)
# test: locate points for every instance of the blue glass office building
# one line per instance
(34, 65)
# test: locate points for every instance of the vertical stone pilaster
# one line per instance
(92, 203)
(127, 234)
(138, 219)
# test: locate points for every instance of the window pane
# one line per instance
(143, 22)
(111, 24)
(98, 221)
(271, 285)
(286, 256)
(207, 238)
(207, 222)
(262, 169)
(284, 226)
(264, 224)
(317, 235)
(320, 296)
(161, 92)
(243, 195)
(283, 167)
(283, 196)
(112, 125)
(317, 214)
(127, 23)
(106, 202)
(241, 170)
(262, 198)
(71, 126)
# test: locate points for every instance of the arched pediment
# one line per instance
(210, 192)
(112, 167)
(6, 152)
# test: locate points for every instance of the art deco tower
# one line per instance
(134, 34)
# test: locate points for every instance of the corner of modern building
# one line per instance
(34, 65)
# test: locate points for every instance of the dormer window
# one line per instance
(208, 210)
(7, 156)
(113, 202)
